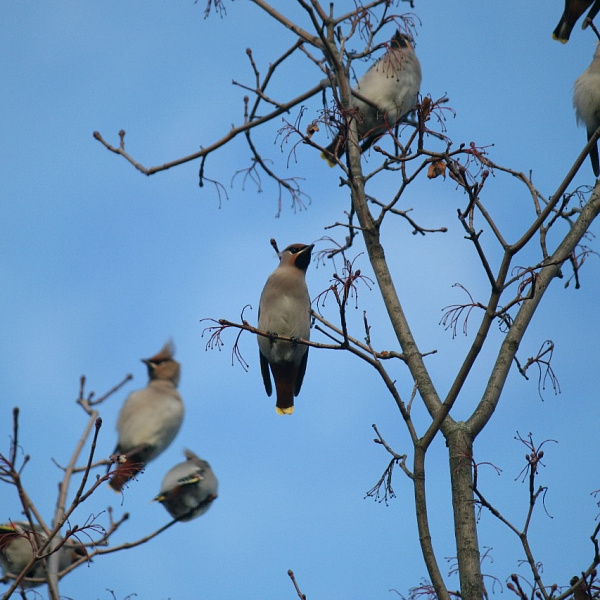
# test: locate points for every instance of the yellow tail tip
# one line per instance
(558, 39)
(284, 411)
(330, 162)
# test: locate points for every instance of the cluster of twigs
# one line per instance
(516, 583)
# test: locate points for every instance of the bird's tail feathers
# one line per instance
(127, 466)
(123, 474)
(328, 158)
(595, 161)
(563, 30)
(285, 379)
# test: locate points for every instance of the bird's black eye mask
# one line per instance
(303, 261)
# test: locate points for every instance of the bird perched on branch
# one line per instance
(284, 310)
(149, 419)
(188, 489)
(18, 543)
(573, 10)
(586, 100)
(388, 93)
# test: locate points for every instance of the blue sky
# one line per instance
(100, 265)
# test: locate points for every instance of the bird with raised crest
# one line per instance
(149, 419)
(284, 311)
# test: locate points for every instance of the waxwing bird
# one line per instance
(573, 10)
(188, 489)
(150, 418)
(17, 543)
(586, 100)
(391, 87)
(284, 310)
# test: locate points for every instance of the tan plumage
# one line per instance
(573, 10)
(391, 85)
(18, 543)
(150, 418)
(189, 488)
(284, 310)
(586, 100)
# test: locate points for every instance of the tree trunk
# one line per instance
(460, 445)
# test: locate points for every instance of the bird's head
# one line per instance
(162, 365)
(297, 255)
(401, 40)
